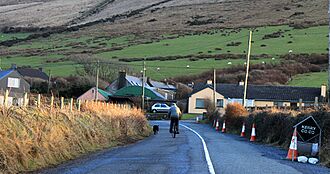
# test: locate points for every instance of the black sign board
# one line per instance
(308, 129)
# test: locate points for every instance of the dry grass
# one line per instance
(33, 138)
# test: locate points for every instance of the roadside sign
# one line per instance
(308, 129)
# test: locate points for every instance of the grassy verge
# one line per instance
(36, 138)
(189, 116)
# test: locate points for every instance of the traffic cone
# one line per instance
(253, 133)
(243, 130)
(293, 152)
(224, 127)
(217, 126)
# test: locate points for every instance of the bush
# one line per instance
(234, 116)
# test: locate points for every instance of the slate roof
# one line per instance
(263, 92)
(130, 91)
(33, 73)
(162, 85)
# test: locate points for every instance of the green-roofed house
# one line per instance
(90, 95)
(136, 91)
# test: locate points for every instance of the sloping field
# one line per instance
(42, 13)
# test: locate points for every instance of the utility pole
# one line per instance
(143, 77)
(49, 79)
(214, 88)
(97, 80)
(247, 69)
(329, 59)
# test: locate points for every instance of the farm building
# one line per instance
(14, 83)
(259, 96)
(167, 91)
(90, 95)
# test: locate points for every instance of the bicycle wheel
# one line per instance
(175, 130)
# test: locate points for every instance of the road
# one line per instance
(161, 153)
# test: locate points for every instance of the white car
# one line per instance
(160, 107)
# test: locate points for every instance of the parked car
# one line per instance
(160, 107)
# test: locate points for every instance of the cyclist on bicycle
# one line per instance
(174, 114)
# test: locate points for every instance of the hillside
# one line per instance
(170, 34)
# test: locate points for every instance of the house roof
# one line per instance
(32, 73)
(263, 92)
(135, 81)
(5, 73)
(161, 85)
(137, 91)
(105, 94)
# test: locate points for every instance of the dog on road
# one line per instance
(155, 128)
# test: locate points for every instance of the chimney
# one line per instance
(323, 90)
(122, 79)
(13, 66)
(241, 83)
(40, 69)
(209, 82)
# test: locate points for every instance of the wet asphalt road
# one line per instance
(164, 155)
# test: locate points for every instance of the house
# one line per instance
(165, 90)
(33, 74)
(90, 95)
(14, 82)
(257, 96)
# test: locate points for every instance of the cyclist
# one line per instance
(174, 114)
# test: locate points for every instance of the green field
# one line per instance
(11, 36)
(310, 40)
(310, 79)
(164, 69)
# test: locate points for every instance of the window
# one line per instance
(13, 82)
(200, 104)
(164, 106)
(220, 103)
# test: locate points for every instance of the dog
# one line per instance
(155, 128)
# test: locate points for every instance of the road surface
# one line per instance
(228, 154)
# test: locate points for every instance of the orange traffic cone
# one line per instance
(224, 127)
(293, 152)
(253, 133)
(217, 126)
(243, 130)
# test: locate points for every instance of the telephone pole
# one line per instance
(329, 59)
(49, 80)
(97, 80)
(214, 89)
(247, 69)
(143, 77)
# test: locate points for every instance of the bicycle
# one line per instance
(175, 130)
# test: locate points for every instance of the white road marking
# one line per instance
(206, 151)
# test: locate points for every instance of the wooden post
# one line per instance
(316, 102)
(300, 104)
(71, 104)
(5, 103)
(25, 100)
(62, 103)
(39, 101)
(51, 102)
(79, 105)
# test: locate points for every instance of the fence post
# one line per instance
(316, 102)
(62, 103)
(71, 104)
(39, 101)
(79, 103)
(5, 103)
(25, 100)
(51, 102)
(300, 104)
